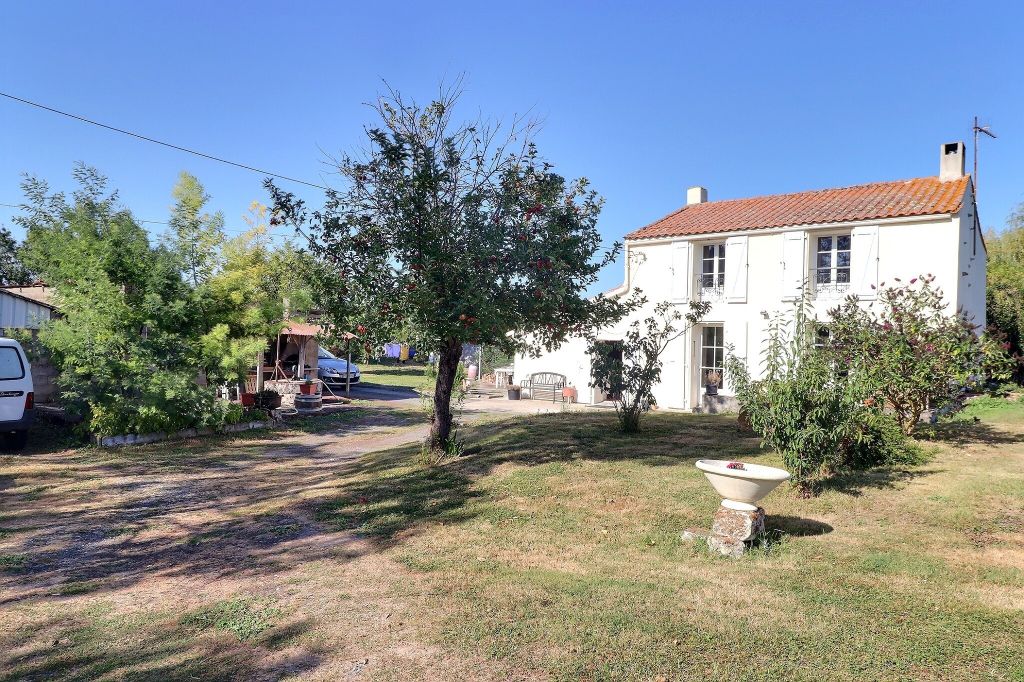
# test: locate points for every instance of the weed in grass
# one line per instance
(1004, 576)
(245, 617)
(203, 538)
(770, 542)
(78, 587)
(902, 563)
(12, 562)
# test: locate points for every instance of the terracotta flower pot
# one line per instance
(569, 393)
(307, 389)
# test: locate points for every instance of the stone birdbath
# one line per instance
(739, 519)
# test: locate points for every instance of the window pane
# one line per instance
(823, 276)
(843, 242)
(709, 336)
(708, 267)
(843, 275)
(843, 259)
(824, 260)
(708, 359)
(824, 243)
(10, 364)
(721, 251)
(709, 251)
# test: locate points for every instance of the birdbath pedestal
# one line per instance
(739, 519)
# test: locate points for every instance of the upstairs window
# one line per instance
(832, 264)
(712, 277)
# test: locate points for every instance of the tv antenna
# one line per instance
(987, 131)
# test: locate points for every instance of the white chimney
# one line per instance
(696, 195)
(951, 161)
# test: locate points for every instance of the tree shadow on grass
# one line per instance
(855, 482)
(386, 495)
(74, 650)
(796, 526)
(960, 432)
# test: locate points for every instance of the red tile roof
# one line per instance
(920, 196)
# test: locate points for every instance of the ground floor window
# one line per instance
(712, 354)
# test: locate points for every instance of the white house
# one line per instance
(753, 257)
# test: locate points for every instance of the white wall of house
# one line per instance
(973, 263)
(765, 271)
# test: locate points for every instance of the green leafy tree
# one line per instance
(630, 376)
(1005, 291)
(460, 233)
(12, 271)
(122, 343)
(195, 234)
(910, 350)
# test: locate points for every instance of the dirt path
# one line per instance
(106, 552)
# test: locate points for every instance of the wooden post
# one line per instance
(348, 367)
(260, 361)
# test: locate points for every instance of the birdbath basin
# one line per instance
(742, 486)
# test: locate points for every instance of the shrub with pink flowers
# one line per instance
(911, 350)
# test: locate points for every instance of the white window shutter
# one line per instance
(736, 269)
(864, 261)
(736, 336)
(794, 264)
(682, 266)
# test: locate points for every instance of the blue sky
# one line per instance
(743, 98)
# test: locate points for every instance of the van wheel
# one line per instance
(17, 440)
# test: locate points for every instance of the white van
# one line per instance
(17, 394)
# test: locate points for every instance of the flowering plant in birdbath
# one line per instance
(735, 465)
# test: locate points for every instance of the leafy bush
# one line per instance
(818, 416)
(910, 350)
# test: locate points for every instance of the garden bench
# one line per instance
(545, 385)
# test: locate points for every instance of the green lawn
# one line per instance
(406, 376)
(552, 549)
(555, 545)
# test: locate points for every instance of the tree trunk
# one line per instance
(447, 364)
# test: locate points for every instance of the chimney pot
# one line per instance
(951, 161)
(696, 195)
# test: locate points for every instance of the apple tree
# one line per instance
(457, 232)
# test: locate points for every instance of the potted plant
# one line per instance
(714, 378)
(268, 399)
(515, 392)
(247, 399)
(307, 387)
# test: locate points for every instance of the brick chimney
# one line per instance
(696, 195)
(951, 161)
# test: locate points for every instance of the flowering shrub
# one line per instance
(818, 416)
(907, 349)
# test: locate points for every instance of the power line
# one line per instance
(226, 230)
(160, 142)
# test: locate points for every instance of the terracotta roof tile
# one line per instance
(920, 196)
